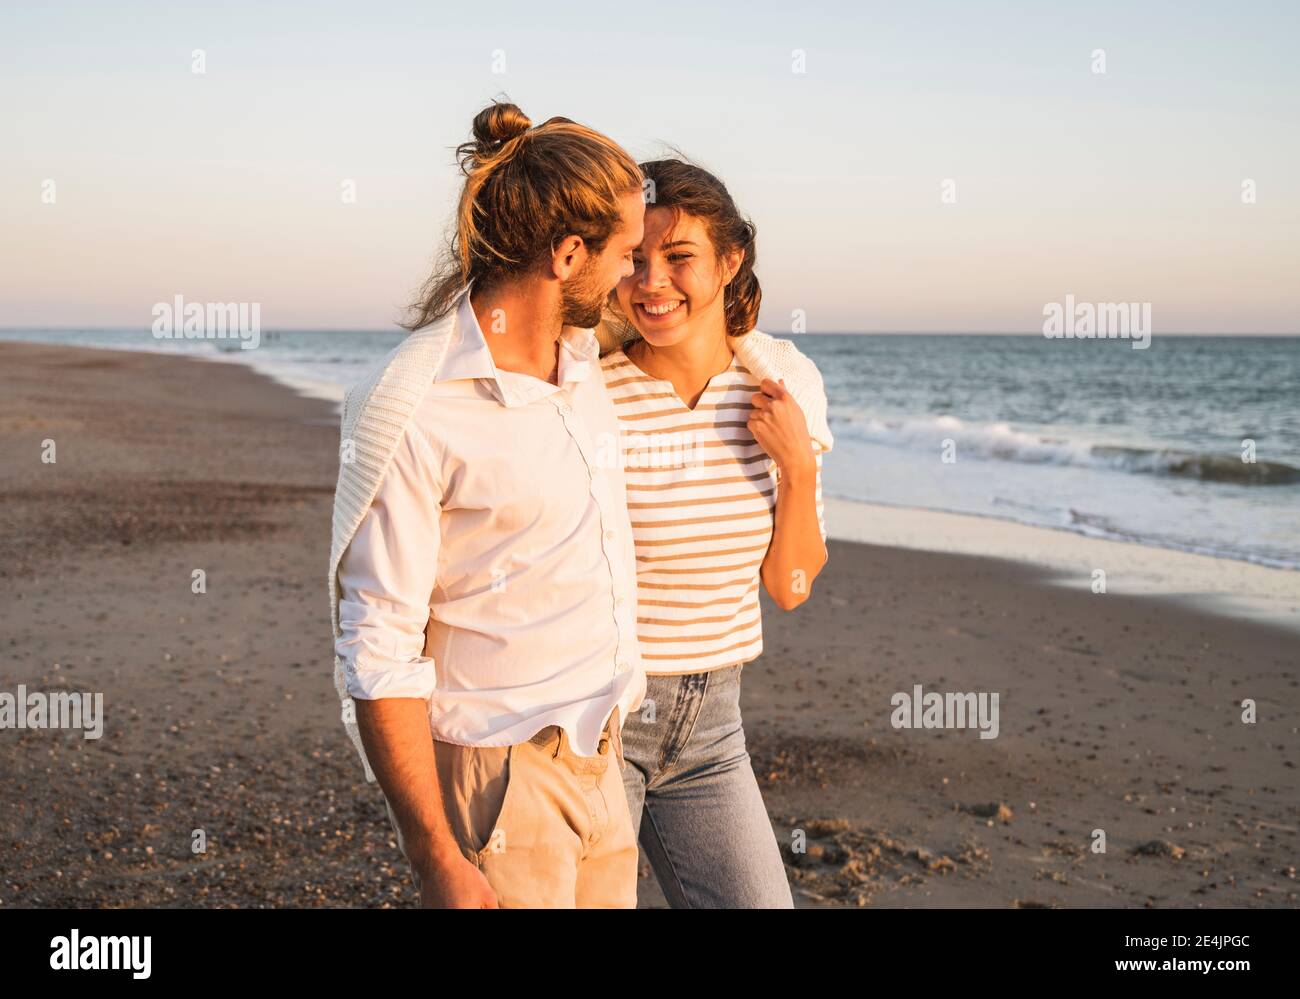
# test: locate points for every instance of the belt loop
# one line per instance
(616, 734)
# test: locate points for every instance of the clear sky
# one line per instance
(226, 186)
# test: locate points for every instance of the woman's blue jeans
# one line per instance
(695, 803)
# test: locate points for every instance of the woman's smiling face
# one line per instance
(677, 283)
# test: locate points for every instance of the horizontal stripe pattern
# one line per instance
(701, 493)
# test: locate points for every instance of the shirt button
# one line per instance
(609, 535)
(618, 601)
(622, 667)
(565, 408)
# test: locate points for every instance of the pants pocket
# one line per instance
(492, 829)
(474, 783)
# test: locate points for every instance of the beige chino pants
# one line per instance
(548, 828)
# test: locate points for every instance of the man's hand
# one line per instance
(455, 884)
(399, 746)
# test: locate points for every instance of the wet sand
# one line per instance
(1118, 712)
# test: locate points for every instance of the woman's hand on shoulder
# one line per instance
(778, 425)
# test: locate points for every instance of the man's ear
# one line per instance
(567, 257)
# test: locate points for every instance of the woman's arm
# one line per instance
(797, 551)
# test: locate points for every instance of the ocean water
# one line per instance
(1089, 436)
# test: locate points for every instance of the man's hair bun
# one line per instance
(496, 125)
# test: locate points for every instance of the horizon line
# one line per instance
(878, 332)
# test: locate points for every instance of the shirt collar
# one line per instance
(468, 356)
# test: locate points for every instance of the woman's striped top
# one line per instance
(701, 494)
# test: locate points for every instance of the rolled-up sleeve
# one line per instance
(387, 577)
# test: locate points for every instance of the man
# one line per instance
(482, 573)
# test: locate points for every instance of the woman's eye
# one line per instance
(677, 258)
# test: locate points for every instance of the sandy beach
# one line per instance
(1119, 712)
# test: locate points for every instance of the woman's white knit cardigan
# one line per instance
(377, 409)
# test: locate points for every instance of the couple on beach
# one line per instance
(557, 500)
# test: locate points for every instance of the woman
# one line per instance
(724, 491)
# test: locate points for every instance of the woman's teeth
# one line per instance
(662, 309)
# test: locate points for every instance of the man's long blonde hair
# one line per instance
(526, 188)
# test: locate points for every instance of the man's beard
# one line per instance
(581, 301)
